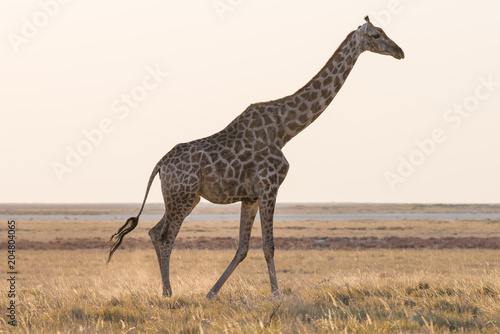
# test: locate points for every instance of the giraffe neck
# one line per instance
(302, 108)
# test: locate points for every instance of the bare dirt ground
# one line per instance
(309, 234)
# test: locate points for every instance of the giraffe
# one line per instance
(245, 163)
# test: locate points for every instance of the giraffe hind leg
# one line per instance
(165, 232)
(196, 201)
(154, 234)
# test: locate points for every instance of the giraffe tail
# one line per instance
(131, 223)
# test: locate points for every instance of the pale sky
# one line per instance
(94, 93)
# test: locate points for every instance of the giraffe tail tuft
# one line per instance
(131, 223)
(118, 236)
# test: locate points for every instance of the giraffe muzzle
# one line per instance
(398, 53)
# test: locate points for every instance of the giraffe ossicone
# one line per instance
(244, 162)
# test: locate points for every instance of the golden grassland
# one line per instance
(375, 291)
(322, 291)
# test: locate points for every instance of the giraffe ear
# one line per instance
(367, 19)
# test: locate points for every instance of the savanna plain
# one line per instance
(349, 276)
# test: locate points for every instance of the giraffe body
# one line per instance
(244, 162)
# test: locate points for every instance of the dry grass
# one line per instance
(369, 291)
(381, 291)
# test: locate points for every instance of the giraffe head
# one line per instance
(375, 40)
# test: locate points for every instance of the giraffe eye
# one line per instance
(376, 36)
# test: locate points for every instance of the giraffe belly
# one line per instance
(226, 191)
(230, 184)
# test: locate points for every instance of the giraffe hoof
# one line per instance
(276, 295)
(212, 295)
(167, 293)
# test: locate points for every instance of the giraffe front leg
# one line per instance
(248, 213)
(266, 208)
